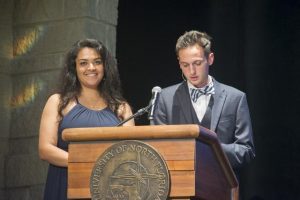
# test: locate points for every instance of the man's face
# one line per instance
(195, 65)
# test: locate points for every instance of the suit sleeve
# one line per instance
(160, 114)
(241, 151)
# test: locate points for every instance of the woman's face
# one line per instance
(89, 68)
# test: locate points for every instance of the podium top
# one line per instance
(138, 132)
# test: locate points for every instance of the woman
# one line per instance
(90, 96)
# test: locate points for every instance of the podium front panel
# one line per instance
(179, 155)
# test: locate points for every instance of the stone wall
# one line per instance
(33, 42)
(6, 53)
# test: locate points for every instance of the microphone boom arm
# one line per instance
(138, 113)
(150, 108)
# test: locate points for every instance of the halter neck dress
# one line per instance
(78, 116)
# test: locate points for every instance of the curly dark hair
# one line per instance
(110, 86)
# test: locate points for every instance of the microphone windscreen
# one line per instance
(156, 89)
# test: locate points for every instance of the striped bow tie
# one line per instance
(197, 92)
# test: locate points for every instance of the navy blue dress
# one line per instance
(79, 116)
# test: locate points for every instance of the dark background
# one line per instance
(256, 45)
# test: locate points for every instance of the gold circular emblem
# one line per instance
(130, 170)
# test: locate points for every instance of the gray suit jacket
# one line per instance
(230, 118)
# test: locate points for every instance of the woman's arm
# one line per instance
(48, 135)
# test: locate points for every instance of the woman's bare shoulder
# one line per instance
(55, 99)
(52, 104)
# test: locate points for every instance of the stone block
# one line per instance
(79, 8)
(29, 40)
(108, 11)
(58, 37)
(6, 42)
(36, 11)
(18, 194)
(5, 65)
(103, 32)
(49, 38)
(29, 97)
(30, 64)
(4, 146)
(24, 146)
(3, 195)
(25, 193)
(105, 11)
(2, 174)
(6, 12)
(33, 11)
(5, 95)
(3, 153)
(36, 191)
(24, 170)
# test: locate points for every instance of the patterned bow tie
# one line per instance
(197, 92)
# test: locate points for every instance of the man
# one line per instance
(200, 99)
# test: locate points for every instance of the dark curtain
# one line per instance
(256, 45)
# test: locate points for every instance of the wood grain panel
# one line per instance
(183, 182)
(176, 149)
(79, 173)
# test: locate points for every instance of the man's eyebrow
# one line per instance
(91, 59)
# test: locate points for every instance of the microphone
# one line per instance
(150, 108)
(155, 93)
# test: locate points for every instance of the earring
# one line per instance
(183, 76)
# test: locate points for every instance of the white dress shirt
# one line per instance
(202, 102)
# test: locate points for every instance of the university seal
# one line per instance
(130, 170)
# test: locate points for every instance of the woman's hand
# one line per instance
(125, 112)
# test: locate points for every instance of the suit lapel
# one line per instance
(183, 112)
(219, 100)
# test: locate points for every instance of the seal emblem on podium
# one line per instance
(130, 170)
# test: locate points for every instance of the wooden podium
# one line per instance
(197, 165)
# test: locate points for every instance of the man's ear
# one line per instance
(211, 58)
(178, 62)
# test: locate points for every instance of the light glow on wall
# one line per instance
(27, 95)
(24, 43)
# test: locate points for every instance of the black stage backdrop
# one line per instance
(256, 45)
